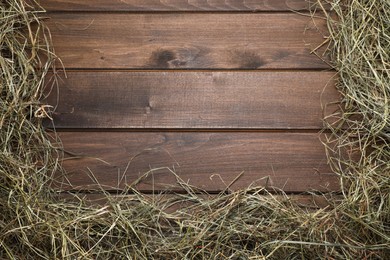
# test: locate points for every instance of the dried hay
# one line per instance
(240, 225)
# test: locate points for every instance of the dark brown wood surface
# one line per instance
(294, 162)
(223, 93)
(174, 5)
(190, 100)
(186, 40)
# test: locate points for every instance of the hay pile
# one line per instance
(34, 223)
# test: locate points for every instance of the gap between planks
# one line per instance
(50, 127)
(176, 6)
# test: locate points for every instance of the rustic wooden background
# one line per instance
(219, 91)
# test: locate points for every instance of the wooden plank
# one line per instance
(211, 161)
(186, 40)
(174, 5)
(190, 100)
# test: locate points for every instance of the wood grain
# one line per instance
(293, 161)
(193, 100)
(174, 5)
(186, 40)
